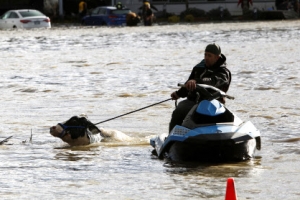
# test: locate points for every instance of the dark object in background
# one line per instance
(5, 140)
(132, 19)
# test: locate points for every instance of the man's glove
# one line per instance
(174, 96)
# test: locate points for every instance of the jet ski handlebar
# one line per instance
(215, 95)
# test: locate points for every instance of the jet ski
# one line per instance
(209, 132)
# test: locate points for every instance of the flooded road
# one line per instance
(48, 76)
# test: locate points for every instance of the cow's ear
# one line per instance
(94, 129)
(88, 124)
(74, 118)
(84, 121)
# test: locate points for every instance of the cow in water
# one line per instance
(79, 131)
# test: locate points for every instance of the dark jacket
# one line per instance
(217, 75)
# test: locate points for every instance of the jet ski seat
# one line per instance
(227, 116)
(213, 111)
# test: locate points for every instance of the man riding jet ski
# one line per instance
(209, 132)
(212, 70)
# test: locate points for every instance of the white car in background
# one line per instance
(24, 19)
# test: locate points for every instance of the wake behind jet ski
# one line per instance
(210, 132)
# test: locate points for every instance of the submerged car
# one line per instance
(24, 19)
(106, 16)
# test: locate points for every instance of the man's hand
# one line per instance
(174, 96)
(191, 85)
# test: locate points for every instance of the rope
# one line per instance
(134, 111)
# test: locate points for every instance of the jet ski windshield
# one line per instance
(210, 108)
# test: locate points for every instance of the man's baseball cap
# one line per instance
(213, 48)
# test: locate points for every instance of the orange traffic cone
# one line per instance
(230, 190)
